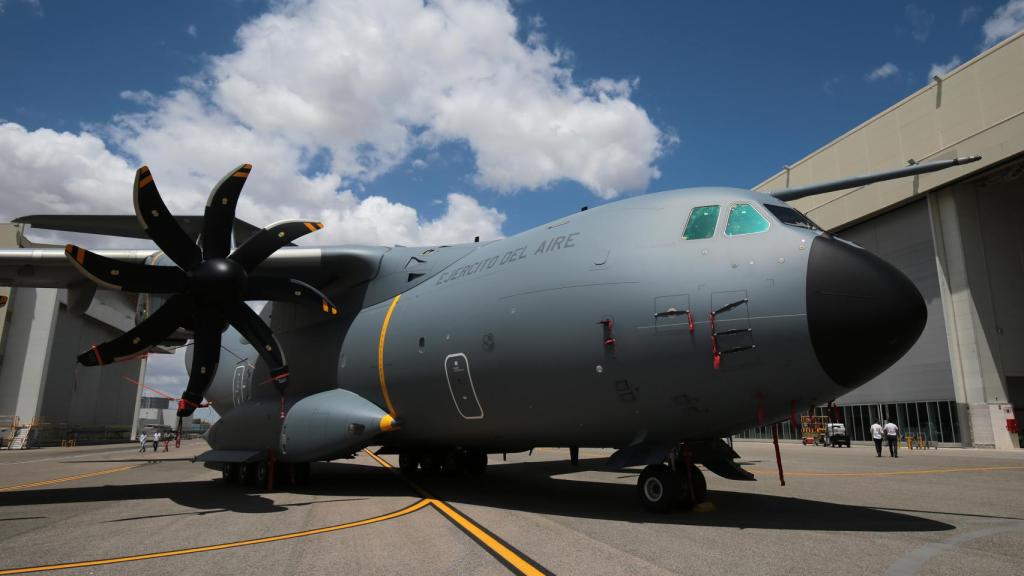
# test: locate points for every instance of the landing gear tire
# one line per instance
(658, 488)
(408, 462)
(262, 474)
(246, 473)
(430, 462)
(476, 463)
(230, 473)
(300, 473)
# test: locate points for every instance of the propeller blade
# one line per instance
(289, 290)
(126, 276)
(219, 217)
(147, 334)
(256, 331)
(160, 224)
(265, 242)
(205, 358)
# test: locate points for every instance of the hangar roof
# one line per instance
(978, 108)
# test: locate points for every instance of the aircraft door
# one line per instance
(241, 384)
(236, 385)
(460, 383)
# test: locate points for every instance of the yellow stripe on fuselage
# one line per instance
(380, 357)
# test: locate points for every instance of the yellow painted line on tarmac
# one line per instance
(67, 478)
(398, 513)
(889, 473)
(514, 560)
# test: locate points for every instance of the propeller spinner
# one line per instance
(208, 287)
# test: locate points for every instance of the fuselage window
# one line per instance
(791, 217)
(702, 222)
(744, 219)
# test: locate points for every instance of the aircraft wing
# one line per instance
(125, 226)
(344, 265)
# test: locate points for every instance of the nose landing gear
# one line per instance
(662, 487)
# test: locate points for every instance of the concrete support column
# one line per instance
(138, 397)
(27, 351)
(976, 379)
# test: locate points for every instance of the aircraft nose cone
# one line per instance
(863, 314)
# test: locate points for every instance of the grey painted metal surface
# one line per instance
(606, 328)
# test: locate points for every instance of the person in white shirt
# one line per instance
(876, 435)
(892, 436)
(142, 442)
(156, 441)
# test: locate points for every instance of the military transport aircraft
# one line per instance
(654, 325)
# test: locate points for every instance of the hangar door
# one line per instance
(903, 237)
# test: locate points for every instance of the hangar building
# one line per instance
(43, 393)
(957, 233)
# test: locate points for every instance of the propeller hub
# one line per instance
(219, 282)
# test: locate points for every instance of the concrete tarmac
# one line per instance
(111, 510)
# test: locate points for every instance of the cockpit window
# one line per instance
(791, 217)
(744, 219)
(702, 222)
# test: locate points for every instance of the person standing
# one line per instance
(156, 441)
(876, 435)
(892, 436)
(142, 442)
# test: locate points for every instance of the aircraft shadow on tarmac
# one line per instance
(527, 487)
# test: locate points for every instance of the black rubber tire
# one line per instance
(230, 473)
(262, 475)
(453, 462)
(408, 461)
(300, 473)
(246, 473)
(430, 462)
(658, 488)
(476, 463)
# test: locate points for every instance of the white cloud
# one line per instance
(59, 172)
(1004, 22)
(921, 21)
(144, 97)
(968, 14)
(49, 172)
(353, 88)
(941, 70)
(371, 81)
(192, 31)
(830, 84)
(884, 71)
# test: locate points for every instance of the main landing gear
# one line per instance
(258, 473)
(662, 487)
(449, 461)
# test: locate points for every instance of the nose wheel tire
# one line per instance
(658, 488)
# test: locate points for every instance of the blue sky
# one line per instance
(398, 122)
(743, 87)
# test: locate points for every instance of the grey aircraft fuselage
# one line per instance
(553, 337)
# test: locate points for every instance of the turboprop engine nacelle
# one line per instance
(331, 424)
